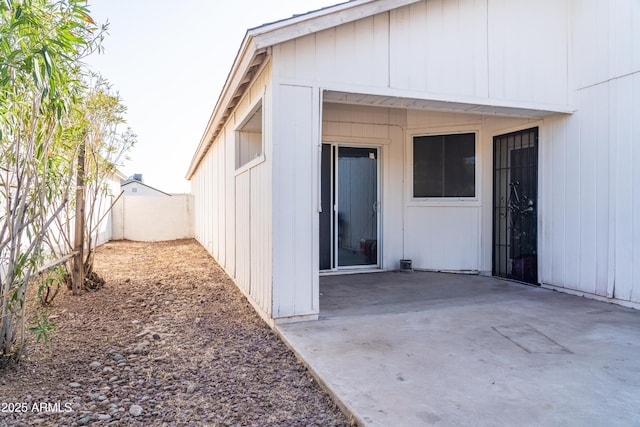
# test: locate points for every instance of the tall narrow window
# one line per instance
(444, 165)
(249, 138)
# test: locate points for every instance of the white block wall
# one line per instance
(152, 219)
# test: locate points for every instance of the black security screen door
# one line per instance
(515, 205)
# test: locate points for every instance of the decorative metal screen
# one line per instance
(515, 205)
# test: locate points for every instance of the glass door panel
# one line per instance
(356, 200)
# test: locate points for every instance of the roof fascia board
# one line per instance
(260, 38)
(298, 26)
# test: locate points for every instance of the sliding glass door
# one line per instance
(349, 221)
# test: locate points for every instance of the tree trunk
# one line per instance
(78, 242)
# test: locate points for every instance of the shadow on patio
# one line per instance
(398, 292)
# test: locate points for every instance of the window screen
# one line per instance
(444, 165)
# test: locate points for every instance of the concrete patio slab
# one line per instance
(412, 349)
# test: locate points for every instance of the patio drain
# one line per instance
(530, 339)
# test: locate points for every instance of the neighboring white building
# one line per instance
(135, 186)
(485, 136)
(103, 208)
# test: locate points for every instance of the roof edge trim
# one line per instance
(312, 22)
(261, 38)
(242, 62)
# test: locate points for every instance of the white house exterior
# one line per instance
(481, 136)
(133, 187)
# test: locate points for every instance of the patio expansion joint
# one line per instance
(530, 339)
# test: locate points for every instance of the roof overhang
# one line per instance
(255, 49)
(434, 102)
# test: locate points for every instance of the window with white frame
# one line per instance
(444, 166)
(249, 137)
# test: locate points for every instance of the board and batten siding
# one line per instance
(295, 207)
(243, 230)
(591, 191)
(431, 49)
(586, 57)
(233, 206)
(458, 50)
(590, 173)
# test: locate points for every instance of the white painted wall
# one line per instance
(590, 174)
(151, 219)
(103, 219)
(100, 219)
(233, 205)
(462, 50)
(295, 156)
(104, 212)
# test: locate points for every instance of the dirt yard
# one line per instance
(168, 341)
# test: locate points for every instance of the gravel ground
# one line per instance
(169, 340)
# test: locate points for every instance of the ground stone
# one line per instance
(84, 420)
(214, 354)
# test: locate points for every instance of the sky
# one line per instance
(169, 60)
